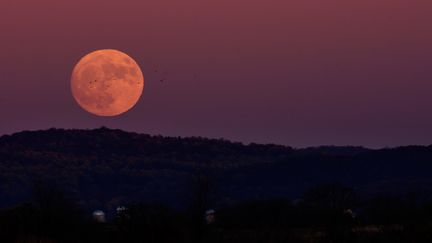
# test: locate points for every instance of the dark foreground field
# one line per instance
(55, 220)
(325, 213)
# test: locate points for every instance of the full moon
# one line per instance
(107, 82)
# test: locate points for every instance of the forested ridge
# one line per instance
(102, 168)
(51, 181)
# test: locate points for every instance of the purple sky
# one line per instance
(300, 72)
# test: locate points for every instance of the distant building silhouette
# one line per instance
(210, 216)
(99, 216)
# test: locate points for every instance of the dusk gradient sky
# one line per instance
(294, 72)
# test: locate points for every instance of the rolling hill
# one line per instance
(104, 168)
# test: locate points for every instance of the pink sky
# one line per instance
(300, 73)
